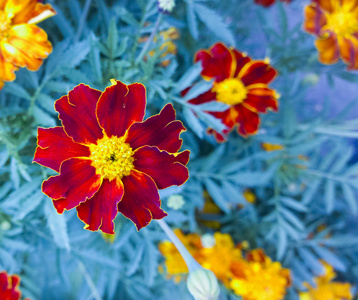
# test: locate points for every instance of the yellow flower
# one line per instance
(249, 196)
(258, 278)
(221, 256)
(326, 288)
(271, 147)
(22, 43)
(168, 46)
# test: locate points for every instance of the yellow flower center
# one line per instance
(342, 23)
(112, 157)
(230, 91)
(5, 25)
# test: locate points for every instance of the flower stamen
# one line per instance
(112, 157)
(230, 91)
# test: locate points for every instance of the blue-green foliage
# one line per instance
(312, 182)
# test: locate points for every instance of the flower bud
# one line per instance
(166, 6)
(203, 285)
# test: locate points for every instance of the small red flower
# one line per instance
(267, 3)
(9, 287)
(241, 83)
(109, 160)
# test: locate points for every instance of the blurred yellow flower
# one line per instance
(254, 277)
(249, 196)
(168, 46)
(258, 278)
(220, 257)
(22, 43)
(271, 147)
(326, 288)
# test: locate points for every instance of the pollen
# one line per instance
(5, 25)
(342, 23)
(112, 157)
(230, 91)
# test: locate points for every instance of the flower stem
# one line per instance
(82, 20)
(150, 39)
(191, 263)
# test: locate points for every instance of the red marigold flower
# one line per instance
(109, 159)
(22, 43)
(241, 83)
(9, 287)
(267, 3)
(335, 24)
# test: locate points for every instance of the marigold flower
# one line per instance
(109, 159)
(327, 289)
(9, 287)
(22, 43)
(335, 24)
(220, 257)
(267, 3)
(241, 83)
(258, 278)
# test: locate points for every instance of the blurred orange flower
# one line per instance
(335, 24)
(259, 278)
(254, 277)
(327, 289)
(22, 43)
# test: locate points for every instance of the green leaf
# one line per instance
(57, 225)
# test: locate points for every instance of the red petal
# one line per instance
(349, 52)
(257, 72)
(76, 183)
(54, 147)
(77, 113)
(220, 138)
(261, 99)
(164, 168)
(9, 287)
(141, 202)
(120, 106)
(248, 120)
(99, 211)
(160, 130)
(315, 19)
(204, 98)
(328, 50)
(241, 61)
(265, 3)
(217, 62)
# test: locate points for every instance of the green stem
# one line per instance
(150, 39)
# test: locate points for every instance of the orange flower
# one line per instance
(239, 82)
(109, 160)
(327, 289)
(335, 24)
(258, 278)
(22, 43)
(9, 287)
